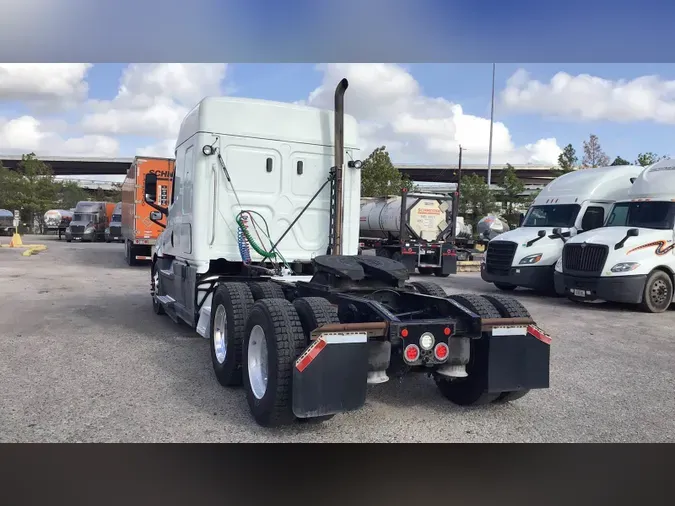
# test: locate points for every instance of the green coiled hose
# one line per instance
(258, 249)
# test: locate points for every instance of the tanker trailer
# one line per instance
(490, 227)
(412, 228)
(6, 222)
(56, 220)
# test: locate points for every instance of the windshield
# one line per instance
(656, 215)
(117, 217)
(562, 216)
(84, 217)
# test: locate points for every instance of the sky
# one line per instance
(421, 112)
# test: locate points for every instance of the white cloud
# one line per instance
(164, 149)
(27, 134)
(586, 97)
(393, 111)
(153, 99)
(44, 84)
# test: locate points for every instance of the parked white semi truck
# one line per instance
(264, 192)
(632, 258)
(570, 204)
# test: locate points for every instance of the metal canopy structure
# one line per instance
(67, 166)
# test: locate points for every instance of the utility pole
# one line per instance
(455, 203)
(492, 119)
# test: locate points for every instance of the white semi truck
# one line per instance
(570, 204)
(261, 196)
(632, 258)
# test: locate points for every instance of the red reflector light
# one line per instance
(404, 333)
(412, 353)
(446, 331)
(441, 351)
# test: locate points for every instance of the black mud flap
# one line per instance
(448, 259)
(519, 359)
(331, 375)
(409, 255)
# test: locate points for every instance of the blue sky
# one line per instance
(628, 119)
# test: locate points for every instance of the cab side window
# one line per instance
(594, 217)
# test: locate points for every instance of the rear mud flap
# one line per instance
(331, 375)
(519, 359)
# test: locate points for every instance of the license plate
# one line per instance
(579, 293)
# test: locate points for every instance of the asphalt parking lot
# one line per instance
(84, 358)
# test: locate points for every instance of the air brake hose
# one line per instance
(258, 249)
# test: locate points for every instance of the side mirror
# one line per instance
(633, 232)
(556, 231)
(541, 233)
(150, 188)
(521, 219)
(155, 215)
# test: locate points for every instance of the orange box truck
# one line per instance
(139, 231)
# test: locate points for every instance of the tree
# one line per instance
(594, 156)
(38, 188)
(620, 161)
(475, 199)
(70, 193)
(11, 189)
(511, 194)
(567, 161)
(379, 177)
(644, 159)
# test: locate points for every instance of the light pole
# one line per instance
(492, 118)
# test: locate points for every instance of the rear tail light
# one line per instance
(441, 351)
(411, 353)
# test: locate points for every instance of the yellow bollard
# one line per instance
(16, 241)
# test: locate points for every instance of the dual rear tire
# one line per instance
(255, 343)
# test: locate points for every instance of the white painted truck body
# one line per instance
(620, 271)
(201, 224)
(574, 202)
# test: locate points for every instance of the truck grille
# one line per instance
(584, 258)
(115, 232)
(77, 229)
(499, 257)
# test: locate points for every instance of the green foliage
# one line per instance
(620, 161)
(70, 193)
(567, 161)
(475, 199)
(644, 159)
(510, 195)
(379, 177)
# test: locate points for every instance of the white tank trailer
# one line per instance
(56, 220)
(413, 228)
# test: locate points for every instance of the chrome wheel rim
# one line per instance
(257, 361)
(220, 334)
(155, 287)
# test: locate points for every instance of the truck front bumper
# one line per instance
(625, 289)
(533, 277)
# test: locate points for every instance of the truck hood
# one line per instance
(550, 249)
(611, 235)
(81, 223)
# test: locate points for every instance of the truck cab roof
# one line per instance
(656, 182)
(598, 183)
(265, 119)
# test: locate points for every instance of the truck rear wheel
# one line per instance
(229, 312)
(425, 271)
(266, 290)
(438, 272)
(429, 288)
(470, 391)
(658, 293)
(315, 312)
(130, 253)
(273, 341)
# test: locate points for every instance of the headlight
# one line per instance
(530, 259)
(625, 267)
(88, 230)
(558, 265)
